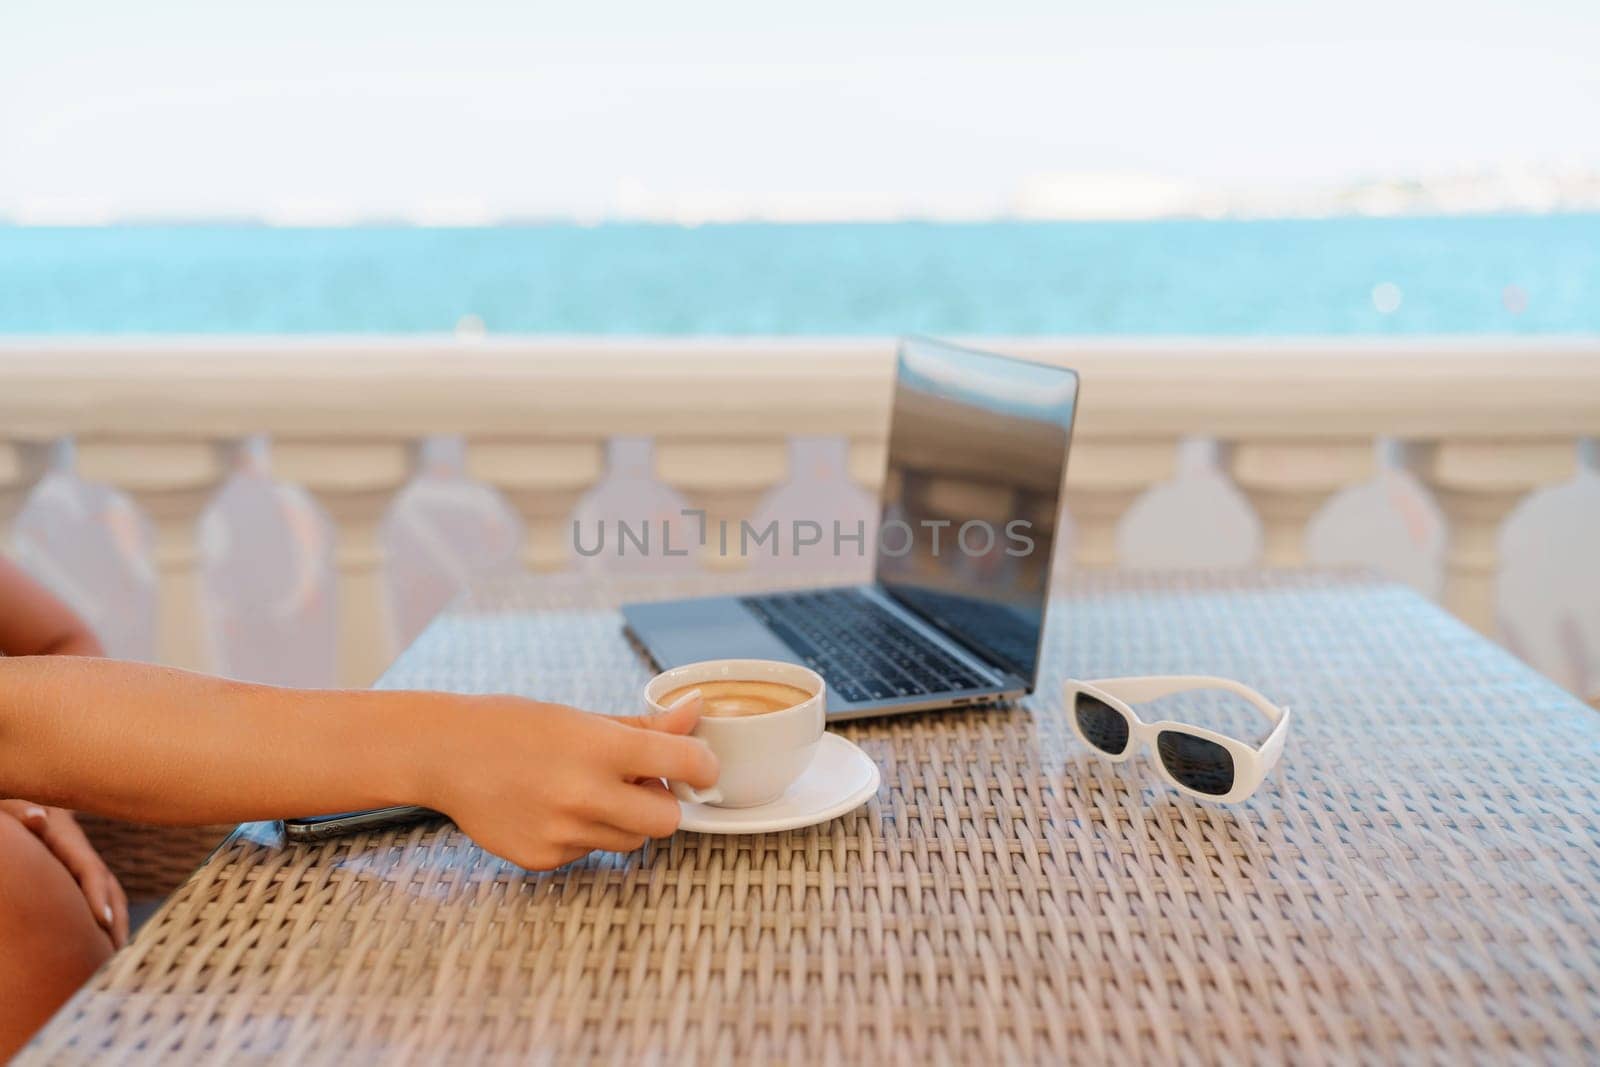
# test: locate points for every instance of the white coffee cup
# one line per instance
(760, 755)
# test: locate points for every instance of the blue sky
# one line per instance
(467, 108)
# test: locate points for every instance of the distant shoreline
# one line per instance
(557, 222)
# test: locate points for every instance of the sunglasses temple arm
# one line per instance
(1139, 690)
(1272, 747)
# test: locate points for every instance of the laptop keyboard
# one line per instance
(863, 651)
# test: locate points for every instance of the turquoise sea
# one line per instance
(1478, 275)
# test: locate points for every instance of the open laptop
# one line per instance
(970, 506)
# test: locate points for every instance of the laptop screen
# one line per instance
(972, 495)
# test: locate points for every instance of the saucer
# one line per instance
(841, 778)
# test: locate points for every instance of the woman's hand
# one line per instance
(544, 784)
(64, 838)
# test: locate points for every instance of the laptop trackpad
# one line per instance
(686, 631)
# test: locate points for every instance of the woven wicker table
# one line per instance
(1419, 880)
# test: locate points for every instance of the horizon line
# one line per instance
(66, 220)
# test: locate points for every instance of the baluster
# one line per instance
(1476, 485)
(171, 482)
(354, 482)
(22, 464)
(1104, 478)
(1288, 482)
(727, 480)
(543, 481)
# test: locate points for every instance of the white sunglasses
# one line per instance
(1192, 759)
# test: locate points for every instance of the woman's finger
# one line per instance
(33, 816)
(67, 840)
(677, 759)
(640, 809)
(679, 718)
(109, 904)
(71, 845)
(61, 835)
(96, 885)
(119, 909)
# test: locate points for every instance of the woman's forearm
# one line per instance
(153, 744)
(539, 784)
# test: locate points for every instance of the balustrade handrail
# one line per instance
(1527, 389)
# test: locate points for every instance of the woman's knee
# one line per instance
(52, 942)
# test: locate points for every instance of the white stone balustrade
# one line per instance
(1484, 425)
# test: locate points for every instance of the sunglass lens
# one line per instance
(1103, 726)
(1202, 765)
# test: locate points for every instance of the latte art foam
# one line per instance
(735, 699)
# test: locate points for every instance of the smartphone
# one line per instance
(322, 827)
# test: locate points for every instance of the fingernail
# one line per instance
(693, 694)
(105, 916)
(36, 814)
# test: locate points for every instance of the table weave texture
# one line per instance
(1418, 880)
